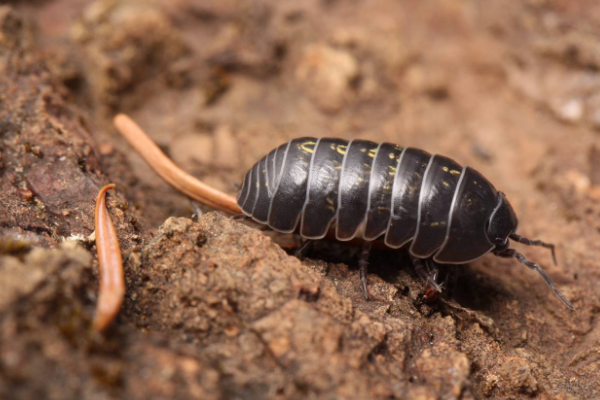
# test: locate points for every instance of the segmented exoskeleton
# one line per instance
(448, 214)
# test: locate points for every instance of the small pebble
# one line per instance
(26, 194)
(106, 149)
(569, 111)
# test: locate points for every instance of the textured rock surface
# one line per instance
(215, 309)
(50, 169)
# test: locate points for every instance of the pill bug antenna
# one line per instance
(529, 242)
(511, 253)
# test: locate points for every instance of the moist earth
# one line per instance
(216, 308)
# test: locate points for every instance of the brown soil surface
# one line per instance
(214, 308)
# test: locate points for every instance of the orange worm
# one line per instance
(112, 279)
(170, 172)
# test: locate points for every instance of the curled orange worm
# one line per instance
(112, 279)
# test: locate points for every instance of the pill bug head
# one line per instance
(503, 222)
(502, 226)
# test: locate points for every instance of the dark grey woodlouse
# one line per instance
(446, 213)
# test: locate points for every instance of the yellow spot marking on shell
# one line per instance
(434, 224)
(445, 169)
(308, 147)
(372, 153)
(418, 175)
(445, 183)
(363, 150)
(454, 172)
(341, 149)
(392, 155)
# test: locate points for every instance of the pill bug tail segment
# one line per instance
(112, 280)
(530, 242)
(511, 253)
(171, 173)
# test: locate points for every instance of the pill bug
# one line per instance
(443, 212)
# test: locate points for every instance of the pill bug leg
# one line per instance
(304, 248)
(363, 264)
(530, 242)
(197, 214)
(433, 270)
(451, 279)
(428, 271)
(511, 253)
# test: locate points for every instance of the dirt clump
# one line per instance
(120, 40)
(51, 170)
